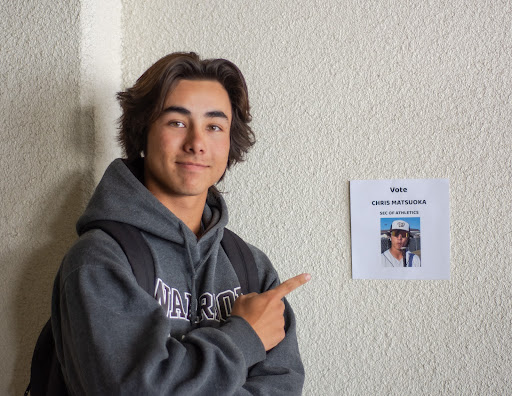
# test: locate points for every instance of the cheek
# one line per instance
(151, 140)
(160, 142)
(222, 148)
(165, 140)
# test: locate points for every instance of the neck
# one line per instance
(188, 209)
(398, 254)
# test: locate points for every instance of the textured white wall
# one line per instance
(357, 90)
(100, 71)
(44, 169)
(59, 71)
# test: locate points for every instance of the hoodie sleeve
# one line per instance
(113, 339)
(282, 372)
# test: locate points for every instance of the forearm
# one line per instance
(282, 371)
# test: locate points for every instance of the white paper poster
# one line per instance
(400, 229)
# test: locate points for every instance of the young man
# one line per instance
(184, 122)
(397, 255)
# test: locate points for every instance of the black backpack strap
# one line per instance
(242, 260)
(45, 372)
(134, 247)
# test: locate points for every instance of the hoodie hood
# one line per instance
(144, 211)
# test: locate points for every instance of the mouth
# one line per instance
(191, 165)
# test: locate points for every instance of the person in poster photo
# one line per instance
(398, 255)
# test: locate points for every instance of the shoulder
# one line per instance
(415, 260)
(386, 259)
(94, 248)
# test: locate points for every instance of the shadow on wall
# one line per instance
(56, 217)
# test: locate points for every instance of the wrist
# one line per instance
(247, 340)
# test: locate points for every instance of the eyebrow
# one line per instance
(184, 111)
(216, 114)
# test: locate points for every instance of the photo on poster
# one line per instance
(400, 242)
(400, 229)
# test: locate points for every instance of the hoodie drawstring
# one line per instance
(194, 319)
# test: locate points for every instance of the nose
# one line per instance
(194, 142)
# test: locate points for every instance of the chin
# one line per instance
(192, 192)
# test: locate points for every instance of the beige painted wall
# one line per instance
(56, 93)
(340, 90)
(46, 146)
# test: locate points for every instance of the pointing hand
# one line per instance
(264, 312)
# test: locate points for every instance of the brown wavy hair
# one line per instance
(143, 103)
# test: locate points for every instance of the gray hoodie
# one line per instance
(113, 338)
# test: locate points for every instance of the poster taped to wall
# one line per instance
(400, 229)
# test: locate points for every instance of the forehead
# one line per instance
(198, 94)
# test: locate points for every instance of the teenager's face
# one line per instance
(188, 145)
(399, 239)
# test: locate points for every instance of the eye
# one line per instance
(214, 128)
(176, 124)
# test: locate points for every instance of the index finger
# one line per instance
(290, 285)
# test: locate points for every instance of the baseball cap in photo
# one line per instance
(400, 225)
